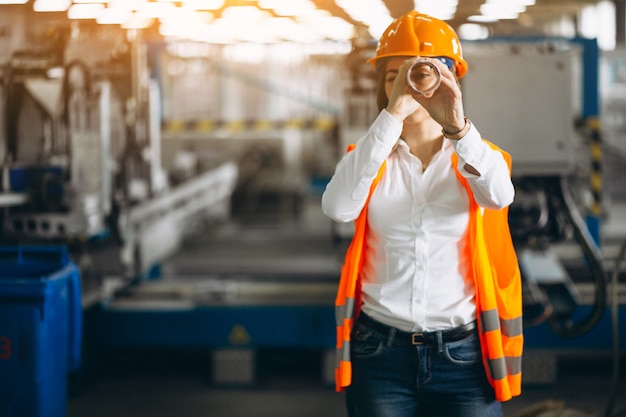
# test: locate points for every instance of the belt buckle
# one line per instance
(414, 337)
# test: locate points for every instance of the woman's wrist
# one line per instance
(396, 114)
(460, 133)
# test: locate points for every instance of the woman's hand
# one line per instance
(401, 102)
(444, 105)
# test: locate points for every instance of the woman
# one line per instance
(429, 301)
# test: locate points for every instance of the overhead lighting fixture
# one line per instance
(260, 22)
(127, 4)
(52, 5)
(185, 23)
(113, 16)
(85, 11)
(372, 13)
(155, 10)
(247, 14)
(479, 18)
(473, 31)
(13, 1)
(330, 27)
(137, 21)
(289, 30)
(288, 8)
(441, 9)
(203, 4)
(246, 27)
(184, 16)
(503, 9)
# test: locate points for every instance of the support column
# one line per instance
(620, 22)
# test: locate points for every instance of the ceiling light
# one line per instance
(473, 31)
(185, 23)
(479, 18)
(330, 27)
(13, 1)
(156, 10)
(236, 24)
(372, 13)
(244, 14)
(184, 16)
(291, 8)
(127, 4)
(441, 9)
(113, 16)
(502, 9)
(203, 4)
(288, 29)
(51, 5)
(506, 6)
(85, 11)
(137, 21)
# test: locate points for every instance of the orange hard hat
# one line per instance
(417, 34)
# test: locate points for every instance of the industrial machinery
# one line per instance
(82, 172)
(82, 163)
(266, 280)
(59, 131)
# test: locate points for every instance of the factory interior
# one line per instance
(163, 249)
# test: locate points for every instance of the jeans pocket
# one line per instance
(365, 343)
(465, 352)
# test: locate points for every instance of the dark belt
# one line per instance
(420, 338)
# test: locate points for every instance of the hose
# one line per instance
(615, 329)
(566, 328)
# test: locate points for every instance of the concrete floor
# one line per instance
(158, 383)
(163, 385)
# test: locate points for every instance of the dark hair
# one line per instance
(381, 75)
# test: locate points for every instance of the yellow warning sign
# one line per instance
(239, 335)
(322, 124)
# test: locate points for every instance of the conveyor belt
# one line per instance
(241, 290)
(256, 268)
(260, 254)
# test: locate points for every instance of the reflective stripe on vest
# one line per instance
(501, 367)
(490, 321)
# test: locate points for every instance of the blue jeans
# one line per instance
(393, 378)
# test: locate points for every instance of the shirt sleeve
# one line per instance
(493, 188)
(348, 189)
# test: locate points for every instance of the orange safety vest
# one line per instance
(498, 292)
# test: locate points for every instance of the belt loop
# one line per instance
(439, 341)
(391, 337)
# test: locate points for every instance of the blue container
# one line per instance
(22, 178)
(40, 329)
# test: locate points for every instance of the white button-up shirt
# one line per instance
(414, 277)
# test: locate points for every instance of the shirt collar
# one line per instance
(402, 144)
